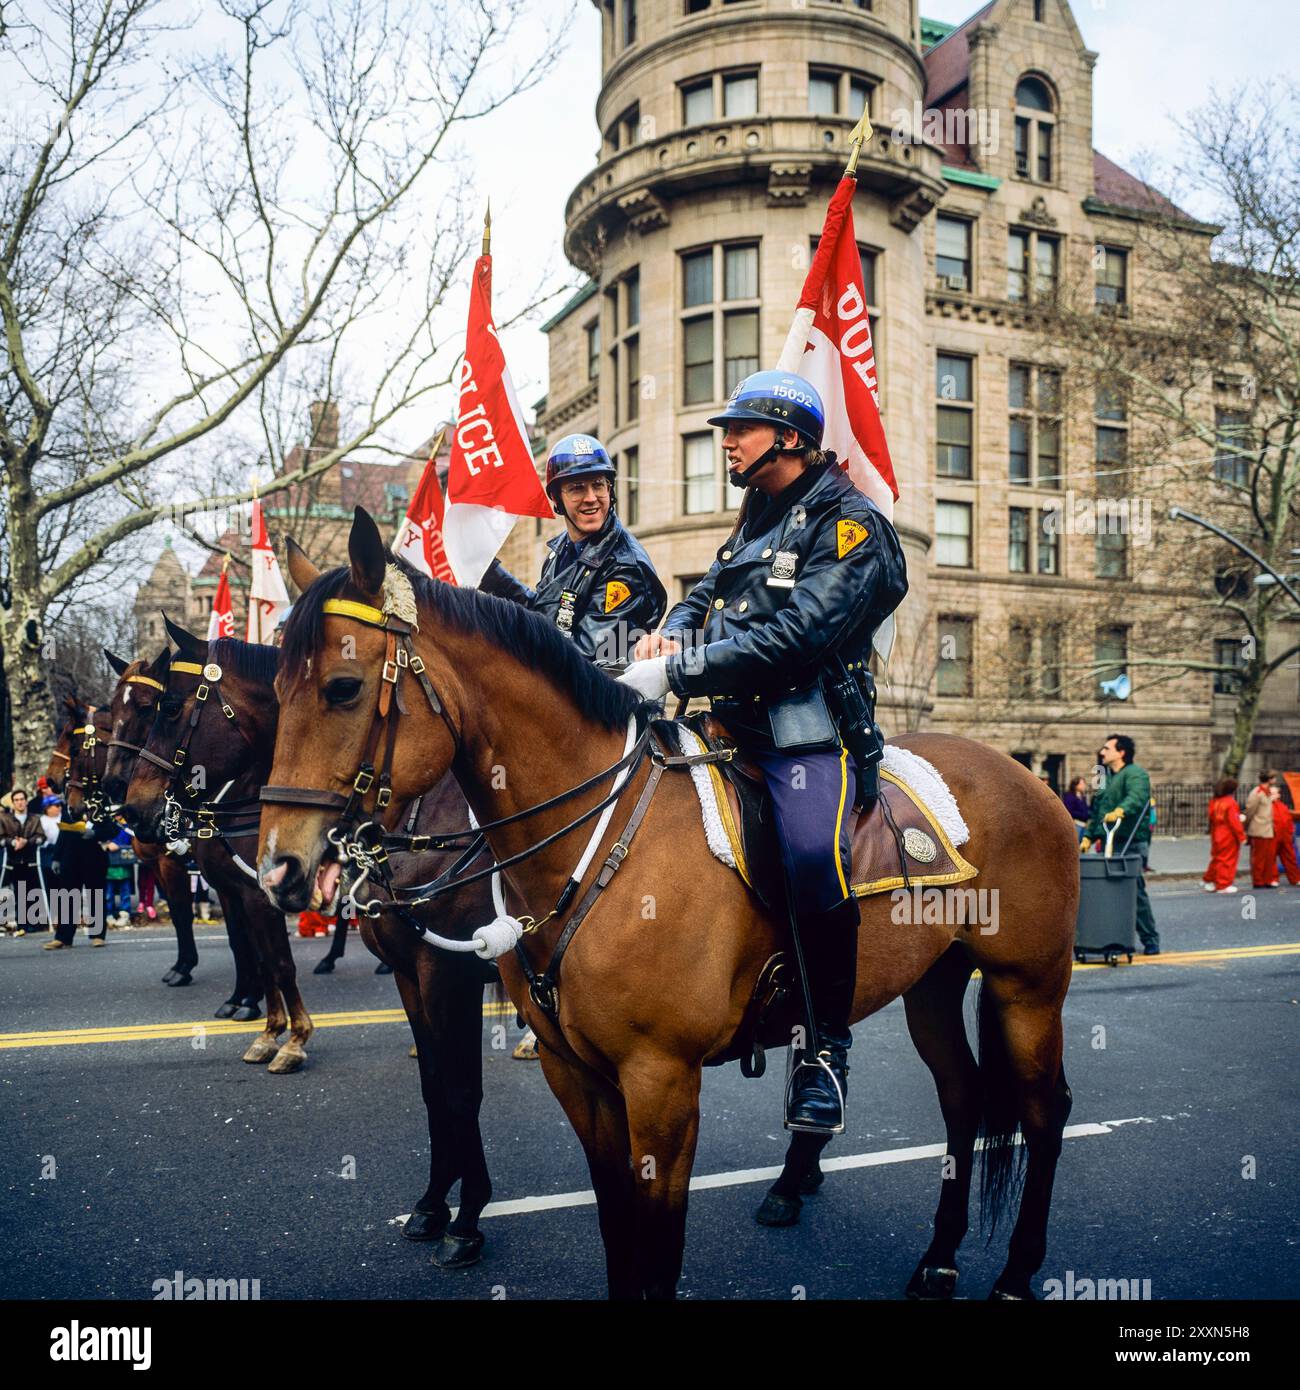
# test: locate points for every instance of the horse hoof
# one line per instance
(383, 968)
(290, 1058)
(177, 979)
(812, 1183)
(261, 1050)
(778, 1211)
(1000, 1295)
(932, 1283)
(458, 1252)
(426, 1225)
(324, 967)
(226, 1010)
(245, 1012)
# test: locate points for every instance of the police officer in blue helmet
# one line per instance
(597, 585)
(778, 635)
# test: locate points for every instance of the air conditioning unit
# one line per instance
(1022, 165)
(953, 282)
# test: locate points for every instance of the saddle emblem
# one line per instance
(918, 844)
(848, 535)
(783, 568)
(616, 592)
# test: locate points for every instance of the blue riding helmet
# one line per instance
(576, 456)
(781, 399)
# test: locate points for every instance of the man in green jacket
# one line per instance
(1126, 797)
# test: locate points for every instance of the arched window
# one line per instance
(1035, 130)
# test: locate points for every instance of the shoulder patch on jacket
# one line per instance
(616, 592)
(848, 535)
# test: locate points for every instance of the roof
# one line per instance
(947, 64)
(934, 31)
(947, 70)
(582, 296)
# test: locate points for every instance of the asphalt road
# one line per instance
(168, 1153)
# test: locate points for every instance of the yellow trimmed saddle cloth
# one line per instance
(917, 849)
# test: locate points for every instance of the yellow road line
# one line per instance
(213, 1027)
(151, 1032)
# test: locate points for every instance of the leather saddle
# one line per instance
(896, 845)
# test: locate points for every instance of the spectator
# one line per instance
(1227, 835)
(1126, 799)
(148, 881)
(1076, 802)
(21, 838)
(1283, 833)
(1263, 838)
(117, 883)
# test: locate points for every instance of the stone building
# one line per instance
(723, 129)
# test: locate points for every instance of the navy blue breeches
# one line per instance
(812, 795)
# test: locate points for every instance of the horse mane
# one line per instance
(530, 639)
(251, 659)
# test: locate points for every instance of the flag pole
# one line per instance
(487, 229)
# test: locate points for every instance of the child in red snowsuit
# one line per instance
(1284, 829)
(1227, 835)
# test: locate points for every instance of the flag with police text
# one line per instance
(420, 539)
(267, 596)
(830, 345)
(221, 623)
(492, 481)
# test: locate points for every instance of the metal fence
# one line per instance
(1181, 807)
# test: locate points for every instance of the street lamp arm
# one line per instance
(1177, 513)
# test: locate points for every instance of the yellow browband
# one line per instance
(144, 680)
(186, 668)
(346, 608)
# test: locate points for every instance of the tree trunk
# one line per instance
(31, 701)
(1243, 724)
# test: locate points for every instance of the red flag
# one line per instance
(420, 539)
(830, 344)
(221, 622)
(267, 597)
(492, 481)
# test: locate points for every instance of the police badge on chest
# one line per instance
(564, 617)
(783, 567)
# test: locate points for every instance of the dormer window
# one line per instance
(1035, 129)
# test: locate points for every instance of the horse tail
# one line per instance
(1002, 1155)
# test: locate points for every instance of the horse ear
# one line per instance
(301, 570)
(161, 665)
(116, 662)
(367, 553)
(186, 641)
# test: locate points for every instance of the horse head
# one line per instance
(340, 667)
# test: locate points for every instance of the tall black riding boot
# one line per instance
(830, 946)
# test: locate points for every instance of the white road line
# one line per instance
(559, 1200)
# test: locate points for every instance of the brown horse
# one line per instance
(132, 710)
(76, 771)
(217, 750)
(657, 981)
(442, 994)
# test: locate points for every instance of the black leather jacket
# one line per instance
(809, 578)
(604, 598)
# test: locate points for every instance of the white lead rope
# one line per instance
(500, 935)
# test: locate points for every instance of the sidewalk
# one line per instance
(1186, 856)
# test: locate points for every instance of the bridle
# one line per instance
(364, 842)
(207, 819)
(92, 795)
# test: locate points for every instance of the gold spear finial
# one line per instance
(487, 229)
(857, 137)
(225, 564)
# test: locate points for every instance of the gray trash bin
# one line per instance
(1107, 921)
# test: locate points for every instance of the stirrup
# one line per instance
(817, 1063)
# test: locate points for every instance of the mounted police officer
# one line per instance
(778, 635)
(598, 585)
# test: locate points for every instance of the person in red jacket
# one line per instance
(1227, 835)
(1284, 832)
